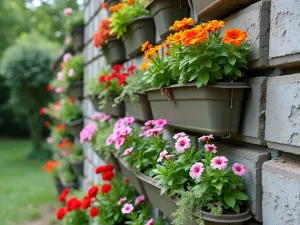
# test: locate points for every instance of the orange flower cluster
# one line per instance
(182, 25)
(130, 2)
(103, 5)
(234, 36)
(145, 65)
(115, 8)
(102, 34)
(65, 144)
(149, 50)
(49, 166)
(60, 127)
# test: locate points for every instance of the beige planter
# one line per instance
(118, 111)
(76, 90)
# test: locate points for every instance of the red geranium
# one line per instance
(102, 78)
(92, 192)
(108, 176)
(46, 123)
(108, 167)
(99, 169)
(42, 111)
(131, 69)
(94, 212)
(86, 202)
(49, 87)
(60, 213)
(117, 67)
(105, 188)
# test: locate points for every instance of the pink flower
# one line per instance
(105, 117)
(66, 57)
(68, 11)
(59, 75)
(161, 123)
(58, 90)
(71, 72)
(122, 200)
(150, 222)
(127, 208)
(149, 133)
(145, 128)
(153, 132)
(126, 130)
(179, 135)
(128, 151)
(64, 153)
(206, 138)
(196, 170)
(68, 41)
(142, 134)
(49, 140)
(150, 123)
(129, 120)
(96, 116)
(182, 144)
(162, 156)
(87, 133)
(120, 122)
(219, 162)
(139, 199)
(119, 142)
(57, 107)
(239, 169)
(210, 148)
(109, 140)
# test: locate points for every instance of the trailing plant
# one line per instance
(124, 12)
(72, 70)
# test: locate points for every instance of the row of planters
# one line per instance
(189, 184)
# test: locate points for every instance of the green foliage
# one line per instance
(76, 153)
(76, 217)
(75, 63)
(65, 170)
(121, 18)
(93, 88)
(74, 21)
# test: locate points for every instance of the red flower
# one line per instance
(73, 204)
(72, 100)
(126, 181)
(108, 167)
(105, 188)
(60, 213)
(131, 69)
(86, 202)
(94, 212)
(117, 67)
(108, 176)
(46, 123)
(102, 79)
(99, 169)
(66, 191)
(42, 111)
(61, 197)
(69, 204)
(92, 192)
(49, 87)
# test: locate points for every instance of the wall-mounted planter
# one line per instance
(76, 90)
(213, 109)
(78, 39)
(234, 219)
(129, 173)
(75, 127)
(140, 109)
(166, 12)
(218, 9)
(114, 51)
(77, 167)
(139, 31)
(118, 111)
(58, 185)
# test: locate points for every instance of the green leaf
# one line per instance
(224, 54)
(237, 72)
(227, 68)
(230, 200)
(205, 76)
(237, 209)
(232, 60)
(218, 186)
(164, 190)
(193, 77)
(217, 75)
(237, 54)
(207, 63)
(193, 59)
(239, 195)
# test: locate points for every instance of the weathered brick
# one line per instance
(252, 159)
(281, 192)
(283, 113)
(284, 33)
(255, 20)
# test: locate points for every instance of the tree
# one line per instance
(26, 67)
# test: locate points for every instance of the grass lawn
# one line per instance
(24, 187)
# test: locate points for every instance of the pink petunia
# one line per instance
(109, 140)
(182, 144)
(59, 75)
(196, 170)
(162, 156)
(122, 200)
(119, 142)
(105, 117)
(239, 169)
(149, 222)
(150, 123)
(128, 151)
(210, 148)
(219, 162)
(68, 41)
(161, 122)
(126, 130)
(129, 120)
(68, 11)
(87, 132)
(145, 127)
(58, 90)
(139, 199)
(96, 116)
(71, 72)
(67, 57)
(127, 208)
(179, 135)
(142, 134)
(206, 138)
(49, 140)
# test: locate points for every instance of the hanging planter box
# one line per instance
(75, 127)
(129, 173)
(139, 31)
(218, 9)
(114, 51)
(78, 39)
(118, 111)
(76, 90)
(234, 219)
(213, 109)
(141, 109)
(166, 12)
(58, 185)
(77, 167)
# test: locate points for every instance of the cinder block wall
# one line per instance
(269, 140)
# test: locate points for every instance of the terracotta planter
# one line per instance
(118, 111)
(75, 127)
(78, 39)
(141, 109)
(77, 167)
(166, 12)
(139, 31)
(76, 90)
(114, 51)
(213, 109)
(235, 219)
(218, 9)
(58, 185)
(129, 173)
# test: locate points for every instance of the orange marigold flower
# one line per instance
(103, 5)
(146, 46)
(62, 65)
(115, 8)
(49, 166)
(234, 36)
(176, 39)
(214, 25)
(60, 127)
(145, 65)
(167, 52)
(130, 2)
(193, 36)
(182, 25)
